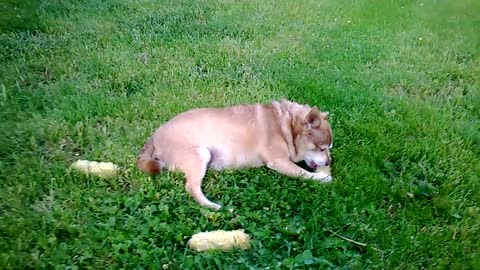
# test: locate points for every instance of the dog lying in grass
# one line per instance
(277, 135)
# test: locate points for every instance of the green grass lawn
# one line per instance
(92, 79)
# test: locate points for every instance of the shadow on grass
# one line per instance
(20, 16)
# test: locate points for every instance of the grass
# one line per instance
(92, 79)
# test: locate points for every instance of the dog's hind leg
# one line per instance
(194, 170)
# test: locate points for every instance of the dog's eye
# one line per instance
(323, 149)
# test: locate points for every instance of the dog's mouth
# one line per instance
(312, 165)
(309, 166)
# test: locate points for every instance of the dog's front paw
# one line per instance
(322, 177)
(214, 206)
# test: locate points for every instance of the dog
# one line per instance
(278, 135)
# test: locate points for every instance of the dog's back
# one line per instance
(233, 135)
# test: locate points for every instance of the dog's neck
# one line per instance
(290, 125)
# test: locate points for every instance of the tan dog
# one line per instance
(276, 135)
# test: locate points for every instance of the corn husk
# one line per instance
(219, 240)
(101, 169)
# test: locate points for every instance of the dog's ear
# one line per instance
(324, 115)
(313, 119)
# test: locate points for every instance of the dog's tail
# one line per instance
(145, 162)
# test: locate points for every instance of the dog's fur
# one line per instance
(276, 135)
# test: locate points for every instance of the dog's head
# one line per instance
(313, 139)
